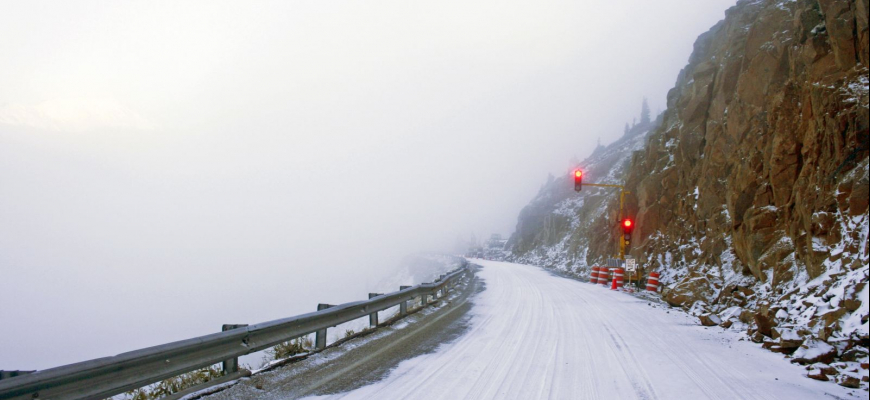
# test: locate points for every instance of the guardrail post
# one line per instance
(373, 317)
(231, 365)
(320, 336)
(403, 306)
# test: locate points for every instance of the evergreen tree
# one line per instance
(644, 112)
(626, 129)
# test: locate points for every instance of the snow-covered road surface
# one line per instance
(537, 336)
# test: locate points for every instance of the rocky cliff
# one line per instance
(751, 198)
(554, 229)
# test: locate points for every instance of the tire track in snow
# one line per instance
(643, 386)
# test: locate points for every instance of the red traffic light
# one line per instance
(578, 180)
(627, 226)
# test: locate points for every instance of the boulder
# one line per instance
(814, 351)
(756, 337)
(689, 291)
(739, 299)
(849, 381)
(789, 339)
(853, 300)
(784, 341)
(746, 316)
(775, 333)
(854, 354)
(817, 375)
(825, 368)
(832, 316)
(710, 319)
(782, 350)
(764, 324)
(825, 332)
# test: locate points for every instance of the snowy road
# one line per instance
(537, 336)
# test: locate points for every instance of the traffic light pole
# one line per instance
(622, 193)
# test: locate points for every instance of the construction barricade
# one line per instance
(652, 283)
(604, 276)
(618, 279)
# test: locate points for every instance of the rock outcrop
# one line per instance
(751, 197)
(761, 162)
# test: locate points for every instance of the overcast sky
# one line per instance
(167, 167)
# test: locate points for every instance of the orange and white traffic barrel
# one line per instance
(617, 279)
(603, 276)
(652, 283)
(593, 278)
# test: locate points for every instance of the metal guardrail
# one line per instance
(105, 377)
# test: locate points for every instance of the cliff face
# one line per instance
(759, 172)
(762, 137)
(751, 198)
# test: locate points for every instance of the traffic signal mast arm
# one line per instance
(603, 185)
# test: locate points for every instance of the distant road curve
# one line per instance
(533, 335)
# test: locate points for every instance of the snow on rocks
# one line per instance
(814, 351)
(710, 319)
(850, 380)
(817, 375)
(821, 371)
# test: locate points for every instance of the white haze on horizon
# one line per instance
(168, 167)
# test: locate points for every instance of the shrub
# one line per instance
(290, 348)
(175, 384)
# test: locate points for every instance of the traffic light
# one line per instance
(578, 180)
(627, 227)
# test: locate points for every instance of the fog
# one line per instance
(168, 167)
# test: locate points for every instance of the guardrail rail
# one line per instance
(105, 377)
